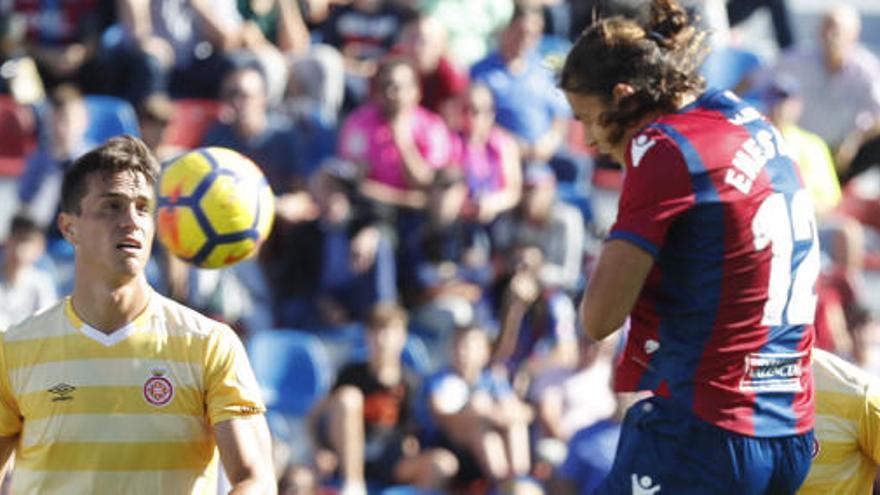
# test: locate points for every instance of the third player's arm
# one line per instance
(614, 287)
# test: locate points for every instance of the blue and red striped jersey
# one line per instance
(723, 324)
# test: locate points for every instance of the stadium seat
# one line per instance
(408, 490)
(191, 119)
(293, 372)
(291, 368)
(725, 68)
(109, 116)
(17, 136)
(570, 194)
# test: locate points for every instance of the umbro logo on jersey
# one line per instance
(62, 392)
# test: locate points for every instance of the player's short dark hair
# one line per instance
(119, 154)
(384, 314)
(659, 59)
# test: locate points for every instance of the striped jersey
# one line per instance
(723, 324)
(129, 412)
(847, 428)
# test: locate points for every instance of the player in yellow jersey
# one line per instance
(118, 389)
(847, 452)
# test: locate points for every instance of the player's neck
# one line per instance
(107, 309)
(620, 154)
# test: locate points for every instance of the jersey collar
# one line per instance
(113, 337)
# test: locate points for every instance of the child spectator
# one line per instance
(474, 412)
(367, 419)
(24, 287)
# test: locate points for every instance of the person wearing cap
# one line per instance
(840, 86)
(785, 104)
(838, 303)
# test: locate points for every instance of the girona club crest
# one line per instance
(158, 390)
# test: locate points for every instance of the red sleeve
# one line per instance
(656, 190)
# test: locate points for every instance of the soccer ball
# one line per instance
(214, 207)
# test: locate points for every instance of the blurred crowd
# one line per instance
(436, 208)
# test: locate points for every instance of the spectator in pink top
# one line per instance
(399, 143)
(487, 154)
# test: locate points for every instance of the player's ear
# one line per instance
(621, 91)
(67, 227)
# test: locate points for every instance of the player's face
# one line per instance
(113, 232)
(588, 109)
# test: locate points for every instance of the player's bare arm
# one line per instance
(245, 450)
(7, 446)
(614, 287)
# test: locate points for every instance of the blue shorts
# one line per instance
(666, 449)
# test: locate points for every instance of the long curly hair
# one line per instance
(660, 60)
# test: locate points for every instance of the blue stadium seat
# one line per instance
(571, 194)
(109, 116)
(415, 355)
(294, 374)
(407, 490)
(291, 368)
(725, 68)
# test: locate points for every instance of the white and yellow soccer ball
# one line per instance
(214, 207)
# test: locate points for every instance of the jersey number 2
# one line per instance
(789, 229)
